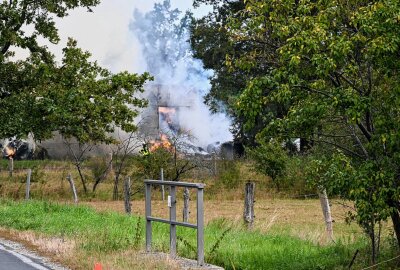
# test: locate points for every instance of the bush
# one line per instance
(229, 173)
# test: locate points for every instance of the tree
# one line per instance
(78, 99)
(337, 70)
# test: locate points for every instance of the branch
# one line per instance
(340, 147)
(335, 81)
(335, 136)
(359, 141)
(312, 90)
(350, 83)
(364, 131)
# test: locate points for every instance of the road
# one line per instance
(13, 257)
(10, 260)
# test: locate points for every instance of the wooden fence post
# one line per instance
(28, 184)
(10, 166)
(186, 199)
(248, 214)
(127, 195)
(72, 184)
(326, 210)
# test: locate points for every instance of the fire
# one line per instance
(168, 113)
(9, 151)
(163, 142)
(167, 110)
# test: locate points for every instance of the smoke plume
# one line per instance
(179, 79)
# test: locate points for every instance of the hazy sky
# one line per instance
(105, 32)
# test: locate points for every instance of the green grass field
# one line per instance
(107, 232)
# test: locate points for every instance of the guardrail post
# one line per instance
(162, 186)
(200, 227)
(148, 214)
(172, 217)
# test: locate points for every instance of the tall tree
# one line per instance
(336, 67)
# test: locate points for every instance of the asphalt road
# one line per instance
(11, 260)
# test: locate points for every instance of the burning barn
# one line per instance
(175, 117)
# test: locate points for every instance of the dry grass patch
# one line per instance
(66, 252)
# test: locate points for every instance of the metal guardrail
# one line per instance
(172, 216)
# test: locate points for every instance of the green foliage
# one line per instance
(270, 159)
(296, 178)
(149, 166)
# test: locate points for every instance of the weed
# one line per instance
(138, 233)
(211, 254)
(186, 244)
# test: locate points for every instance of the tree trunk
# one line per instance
(396, 224)
(248, 214)
(78, 167)
(115, 191)
(373, 242)
(110, 163)
(108, 170)
(127, 195)
(326, 210)
(186, 199)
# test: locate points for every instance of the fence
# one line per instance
(172, 216)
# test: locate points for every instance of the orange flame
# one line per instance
(163, 142)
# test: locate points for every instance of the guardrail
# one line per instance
(172, 216)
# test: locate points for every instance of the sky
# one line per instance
(105, 32)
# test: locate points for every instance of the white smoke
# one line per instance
(163, 34)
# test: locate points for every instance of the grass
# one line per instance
(108, 233)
